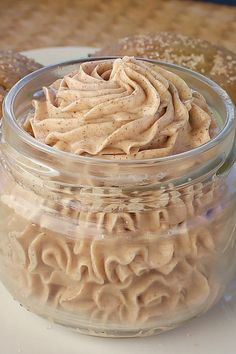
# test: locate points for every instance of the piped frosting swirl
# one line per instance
(123, 109)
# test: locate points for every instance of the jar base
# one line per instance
(106, 332)
(83, 326)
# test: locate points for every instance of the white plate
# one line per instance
(23, 332)
(47, 56)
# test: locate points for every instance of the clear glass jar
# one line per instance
(126, 248)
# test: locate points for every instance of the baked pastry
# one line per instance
(13, 66)
(215, 62)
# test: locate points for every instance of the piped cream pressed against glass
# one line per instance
(104, 229)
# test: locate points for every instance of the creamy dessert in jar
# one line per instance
(122, 220)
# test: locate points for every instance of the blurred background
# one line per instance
(29, 24)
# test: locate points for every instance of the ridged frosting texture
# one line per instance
(123, 108)
(127, 268)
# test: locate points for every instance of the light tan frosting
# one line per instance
(123, 108)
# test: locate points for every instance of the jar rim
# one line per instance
(9, 116)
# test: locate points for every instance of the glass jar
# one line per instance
(116, 248)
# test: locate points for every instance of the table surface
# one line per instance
(31, 24)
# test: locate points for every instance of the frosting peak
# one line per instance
(122, 109)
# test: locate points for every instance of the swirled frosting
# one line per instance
(123, 108)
